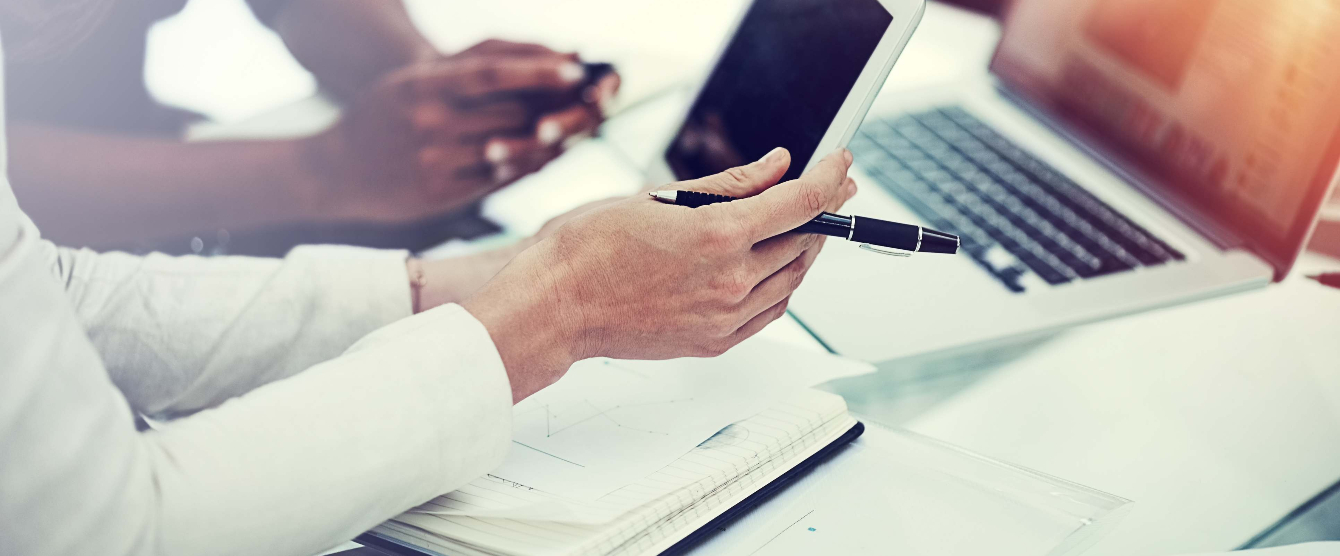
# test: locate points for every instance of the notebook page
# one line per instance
(705, 471)
(668, 480)
(588, 449)
(729, 463)
(519, 537)
(609, 423)
(660, 536)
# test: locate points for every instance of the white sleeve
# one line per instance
(413, 410)
(180, 334)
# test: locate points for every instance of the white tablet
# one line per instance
(799, 74)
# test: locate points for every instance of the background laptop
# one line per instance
(1123, 155)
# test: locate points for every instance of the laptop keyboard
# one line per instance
(1019, 218)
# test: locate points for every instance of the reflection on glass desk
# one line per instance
(903, 389)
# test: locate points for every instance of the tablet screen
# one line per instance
(779, 83)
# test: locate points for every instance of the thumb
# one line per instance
(744, 181)
(787, 206)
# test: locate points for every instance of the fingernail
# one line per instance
(571, 72)
(772, 156)
(846, 155)
(549, 132)
(496, 152)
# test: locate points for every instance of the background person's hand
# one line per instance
(644, 280)
(442, 133)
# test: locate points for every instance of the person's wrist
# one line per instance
(534, 327)
(309, 177)
(317, 174)
(455, 279)
(296, 187)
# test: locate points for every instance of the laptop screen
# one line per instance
(1233, 105)
(780, 82)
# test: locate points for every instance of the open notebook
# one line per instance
(495, 516)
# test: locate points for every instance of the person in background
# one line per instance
(98, 162)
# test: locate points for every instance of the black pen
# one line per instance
(894, 238)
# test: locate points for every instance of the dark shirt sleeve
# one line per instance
(98, 84)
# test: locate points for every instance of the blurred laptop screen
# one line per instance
(780, 82)
(1230, 103)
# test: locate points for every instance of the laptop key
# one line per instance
(1135, 239)
(926, 201)
(1028, 249)
(1019, 219)
(1039, 229)
(1004, 154)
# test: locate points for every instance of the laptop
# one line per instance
(1121, 156)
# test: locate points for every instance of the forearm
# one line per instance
(412, 411)
(181, 334)
(348, 44)
(91, 189)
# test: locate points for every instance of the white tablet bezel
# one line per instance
(906, 16)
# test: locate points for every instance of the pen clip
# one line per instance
(886, 250)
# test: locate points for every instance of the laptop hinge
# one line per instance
(1196, 219)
